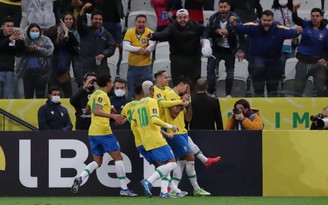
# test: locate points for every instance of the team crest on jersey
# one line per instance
(159, 95)
(155, 111)
(100, 100)
(143, 41)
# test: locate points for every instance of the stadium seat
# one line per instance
(288, 84)
(266, 4)
(123, 70)
(151, 19)
(239, 86)
(203, 73)
(207, 15)
(162, 64)
(304, 14)
(309, 4)
(112, 69)
(162, 50)
(138, 5)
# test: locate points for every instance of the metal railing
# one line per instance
(18, 120)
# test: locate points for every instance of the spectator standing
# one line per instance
(96, 43)
(41, 13)
(11, 45)
(224, 45)
(52, 115)
(282, 12)
(244, 117)
(311, 52)
(80, 99)
(195, 9)
(118, 101)
(11, 8)
(266, 42)
(206, 112)
(138, 45)
(185, 48)
(113, 13)
(162, 13)
(34, 66)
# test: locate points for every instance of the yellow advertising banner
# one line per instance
(295, 163)
(277, 113)
(280, 113)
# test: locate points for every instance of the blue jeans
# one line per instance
(7, 84)
(138, 74)
(115, 29)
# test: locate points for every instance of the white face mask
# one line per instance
(55, 99)
(119, 92)
(283, 2)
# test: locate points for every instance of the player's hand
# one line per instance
(169, 135)
(117, 117)
(113, 110)
(174, 128)
(299, 29)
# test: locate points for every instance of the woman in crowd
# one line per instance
(35, 64)
(244, 118)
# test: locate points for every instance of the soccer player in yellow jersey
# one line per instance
(160, 93)
(147, 122)
(127, 112)
(180, 141)
(140, 48)
(101, 138)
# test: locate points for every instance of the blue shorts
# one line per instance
(103, 143)
(145, 154)
(161, 154)
(180, 145)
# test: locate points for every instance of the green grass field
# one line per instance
(158, 201)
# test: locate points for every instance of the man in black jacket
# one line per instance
(11, 45)
(225, 41)
(205, 109)
(80, 99)
(186, 46)
(52, 115)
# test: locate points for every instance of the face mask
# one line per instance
(55, 99)
(34, 35)
(119, 92)
(283, 2)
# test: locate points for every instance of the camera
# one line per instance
(322, 122)
(236, 111)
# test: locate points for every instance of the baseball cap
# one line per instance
(182, 11)
(147, 86)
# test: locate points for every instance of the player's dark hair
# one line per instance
(89, 74)
(158, 73)
(201, 85)
(102, 80)
(97, 12)
(182, 79)
(138, 89)
(120, 80)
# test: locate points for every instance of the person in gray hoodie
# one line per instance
(41, 13)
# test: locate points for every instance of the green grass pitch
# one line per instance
(157, 201)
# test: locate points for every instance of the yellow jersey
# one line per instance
(160, 95)
(147, 122)
(127, 112)
(99, 125)
(179, 120)
(142, 40)
(11, 2)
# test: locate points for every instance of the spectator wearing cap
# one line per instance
(184, 37)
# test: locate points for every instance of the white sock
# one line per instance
(197, 152)
(161, 171)
(191, 172)
(177, 172)
(89, 169)
(172, 185)
(120, 172)
(164, 183)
